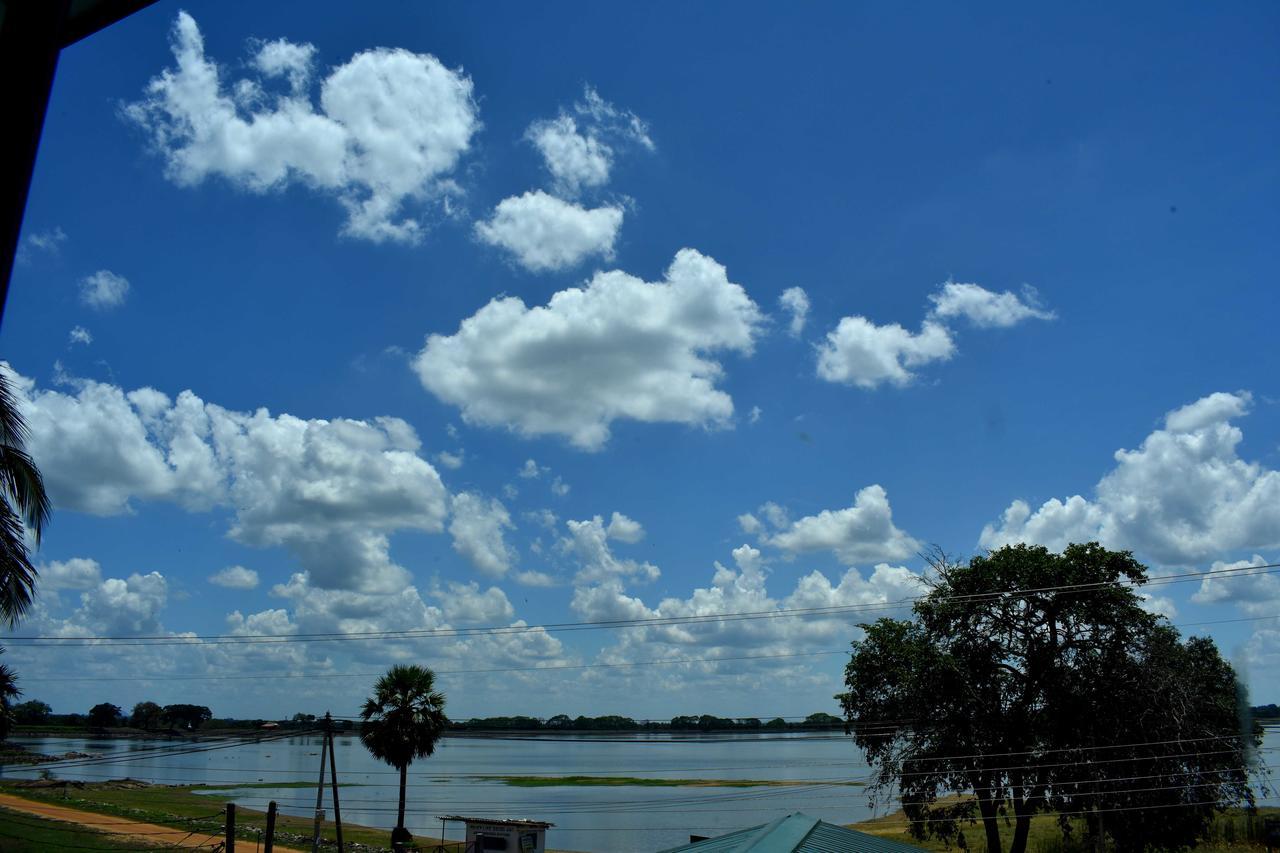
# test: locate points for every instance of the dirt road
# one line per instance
(148, 833)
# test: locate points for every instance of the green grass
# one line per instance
(243, 785)
(165, 803)
(1228, 834)
(24, 833)
(615, 781)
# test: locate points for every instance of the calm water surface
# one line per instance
(628, 819)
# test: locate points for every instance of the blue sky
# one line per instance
(406, 316)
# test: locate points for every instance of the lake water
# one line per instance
(627, 819)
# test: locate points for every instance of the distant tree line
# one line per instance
(152, 717)
(616, 723)
(147, 716)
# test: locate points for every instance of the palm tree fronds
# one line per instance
(17, 575)
(20, 479)
(13, 429)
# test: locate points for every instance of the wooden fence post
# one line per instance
(230, 845)
(269, 844)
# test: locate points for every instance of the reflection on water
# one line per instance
(629, 818)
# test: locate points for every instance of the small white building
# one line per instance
(500, 835)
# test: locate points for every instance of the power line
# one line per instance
(653, 622)
(1055, 814)
(163, 753)
(539, 669)
(157, 752)
(309, 676)
(172, 751)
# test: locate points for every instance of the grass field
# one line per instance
(1230, 834)
(23, 833)
(164, 803)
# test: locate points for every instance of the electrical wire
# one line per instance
(133, 755)
(525, 669)
(667, 621)
(537, 669)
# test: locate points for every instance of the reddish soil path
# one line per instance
(148, 833)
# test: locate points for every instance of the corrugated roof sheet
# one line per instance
(796, 833)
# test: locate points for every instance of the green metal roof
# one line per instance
(796, 833)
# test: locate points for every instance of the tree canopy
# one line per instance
(31, 713)
(1032, 681)
(146, 715)
(186, 716)
(401, 722)
(104, 714)
(8, 692)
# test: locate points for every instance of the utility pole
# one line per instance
(333, 778)
(315, 836)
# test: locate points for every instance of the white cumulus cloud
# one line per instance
(477, 529)
(235, 577)
(390, 128)
(1183, 496)
(118, 606)
(468, 604)
(330, 491)
(986, 309)
(574, 160)
(742, 588)
(588, 543)
(579, 146)
(861, 533)
(50, 240)
(103, 289)
(858, 352)
(544, 233)
(282, 58)
(863, 353)
(1255, 594)
(619, 347)
(625, 529)
(452, 461)
(75, 573)
(795, 302)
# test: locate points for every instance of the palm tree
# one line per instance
(402, 721)
(24, 506)
(8, 692)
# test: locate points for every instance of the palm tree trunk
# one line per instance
(404, 775)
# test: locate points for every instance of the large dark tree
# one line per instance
(146, 715)
(105, 714)
(186, 716)
(402, 721)
(1031, 681)
(31, 713)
